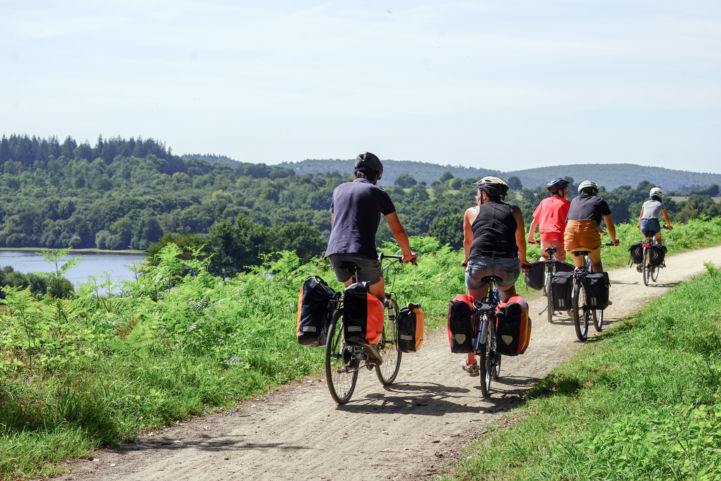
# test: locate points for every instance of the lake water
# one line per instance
(117, 266)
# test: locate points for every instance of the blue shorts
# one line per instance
(369, 270)
(650, 227)
(505, 268)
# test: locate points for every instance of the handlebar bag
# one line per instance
(562, 289)
(513, 327)
(636, 252)
(597, 287)
(460, 324)
(314, 311)
(362, 314)
(535, 276)
(410, 328)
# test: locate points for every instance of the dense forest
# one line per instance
(131, 193)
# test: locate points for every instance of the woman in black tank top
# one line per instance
(494, 242)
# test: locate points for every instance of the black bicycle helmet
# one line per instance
(495, 187)
(369, 164)
(556, 184)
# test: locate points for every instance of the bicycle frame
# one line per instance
(485, 337)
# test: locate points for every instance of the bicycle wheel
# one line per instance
(341, 369)
(388, 347)
(580, 313)
(646, 266)
(487, 365)
(549, 297)
(654, 273)
(598, 319)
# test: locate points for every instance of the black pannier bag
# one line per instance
(363, 314)
(564, 266)
(535, 275)
(597, 287)
(460, 324)
(562, 289)
(410, 322)
(658, 254)
(314, 311)
(636, 252)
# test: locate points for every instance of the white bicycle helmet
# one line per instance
(588, 184)
(655, 192)
(493, 186)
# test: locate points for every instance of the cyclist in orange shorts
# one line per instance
(550, 216)
(583, 227)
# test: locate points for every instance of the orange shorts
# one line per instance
(582, 235)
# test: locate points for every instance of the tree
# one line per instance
(514, 183)
(448, 230)
(405, 180)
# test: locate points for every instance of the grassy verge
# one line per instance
(640, 403)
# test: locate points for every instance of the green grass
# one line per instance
(642, 402)
(81, 373)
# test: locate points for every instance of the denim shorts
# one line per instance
(505, 268)
(650, 226)
(368, 269)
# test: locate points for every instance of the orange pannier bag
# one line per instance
(363, 314)
(410, 328)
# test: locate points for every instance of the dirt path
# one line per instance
(407, 432)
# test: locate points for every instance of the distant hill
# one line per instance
(421, 171)
(607, 175)
(615, 175)
(213, 159)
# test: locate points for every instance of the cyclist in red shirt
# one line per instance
(550, 215)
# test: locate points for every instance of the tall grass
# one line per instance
(640, 403)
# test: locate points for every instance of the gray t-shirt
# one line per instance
(652, 209)
(357, 207)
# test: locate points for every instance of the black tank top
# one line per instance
(494, 231)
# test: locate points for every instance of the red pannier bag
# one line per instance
(362, 314)
(460, 323)
(513, 327)
(410, 328)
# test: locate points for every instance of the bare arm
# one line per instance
(467, 233)
(668, 222)
(401, 237)
(531, 230)
(520, 235)
(640, 216)
(611, 228)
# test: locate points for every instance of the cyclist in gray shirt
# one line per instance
(650, 212)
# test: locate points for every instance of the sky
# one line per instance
(511, 84)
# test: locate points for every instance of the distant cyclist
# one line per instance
(550, 216)
(494, 242)
(356, 210)
(648, 218)
(583, 227)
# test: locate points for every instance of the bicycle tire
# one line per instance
(646, 266)
(597, 315)
(580, 312)
(341, 372)
(549, 297)
(388, 347)
(486, 365)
